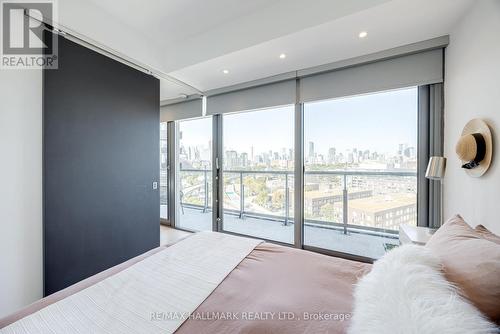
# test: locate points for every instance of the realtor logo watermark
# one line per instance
(26, 42)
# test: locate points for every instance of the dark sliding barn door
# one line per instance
(101, 157)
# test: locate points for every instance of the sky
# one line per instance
(377, 122)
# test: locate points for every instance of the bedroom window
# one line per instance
(330, 159)
(360, 180)
(258, 172)
(194, 174)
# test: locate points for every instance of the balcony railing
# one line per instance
(203, 189)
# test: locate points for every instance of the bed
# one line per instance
(207, 283)
(219, 283)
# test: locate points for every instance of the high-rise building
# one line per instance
(244, 159)
(350, 157)
(311, 150)
(402, 148)
(231, 159)
(409, 152)
(331, 155)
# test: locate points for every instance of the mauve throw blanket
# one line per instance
(278, 289)
(275, 289)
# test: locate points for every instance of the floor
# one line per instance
(169, 236)
(354, 243)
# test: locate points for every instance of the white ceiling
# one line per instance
(194, 40)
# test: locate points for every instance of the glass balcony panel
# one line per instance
(262, 209)
(196, 200)
(323, 199)
(384, 202)
(194, 180)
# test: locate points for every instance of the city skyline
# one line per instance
(402, 153)
(342, 123)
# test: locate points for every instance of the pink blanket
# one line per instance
(279, 289)
(275, 289)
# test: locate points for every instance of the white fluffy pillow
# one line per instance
(406, 292)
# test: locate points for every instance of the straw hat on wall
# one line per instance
(475, 147)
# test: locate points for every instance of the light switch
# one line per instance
(155, 185)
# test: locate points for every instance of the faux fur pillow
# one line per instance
(406, 292)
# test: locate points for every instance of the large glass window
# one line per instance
(163, 171)
(360, 175)
(360, 171)
(194, 174)
(258, 173)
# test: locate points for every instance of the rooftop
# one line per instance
(316, 194)
(380, 203)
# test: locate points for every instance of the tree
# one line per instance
(327, 212)
(278, 199)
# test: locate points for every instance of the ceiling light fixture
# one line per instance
(282, 56)
(225, 71)
(363, 34)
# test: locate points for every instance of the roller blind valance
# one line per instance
(181, 110)
(411, 70)
(388, 71)
(265, 96)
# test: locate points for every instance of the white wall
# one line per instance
(472, 90)
(20, 188)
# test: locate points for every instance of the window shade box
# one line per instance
(181, 110)
(415, 69)
(266, 96)
(411, 70)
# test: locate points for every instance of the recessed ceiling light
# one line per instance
(363, 34)
(282, 56)
(225, 71)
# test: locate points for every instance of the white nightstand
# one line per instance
(409, 234)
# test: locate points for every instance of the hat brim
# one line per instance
(479, 126)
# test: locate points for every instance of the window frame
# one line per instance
(165, 221)
(429, 142)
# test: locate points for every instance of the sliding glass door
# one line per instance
(194, 174)
(258, 169)
(360, 172)
(360, 180)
